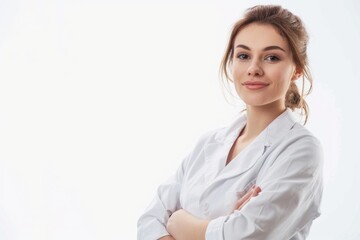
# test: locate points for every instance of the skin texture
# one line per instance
(262, 69)
(266, 59)
(181, 220)
(253, 192)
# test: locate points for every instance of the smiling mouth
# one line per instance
(254, 85)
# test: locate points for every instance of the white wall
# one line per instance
(101, 99)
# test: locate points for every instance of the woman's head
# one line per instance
(292, 30)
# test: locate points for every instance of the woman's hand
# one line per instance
(184, 226)
(253, 192)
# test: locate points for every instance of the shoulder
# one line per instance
(301, 146)
(300, 135)
(298, 155)
(285, 134)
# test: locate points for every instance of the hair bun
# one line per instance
(293, 97)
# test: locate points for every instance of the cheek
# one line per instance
(238, 77)
(282, 78)
(238, 73)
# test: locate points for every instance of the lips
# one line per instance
(254, 85)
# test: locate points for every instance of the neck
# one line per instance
(258, 118)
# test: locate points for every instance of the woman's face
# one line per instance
(262, 66)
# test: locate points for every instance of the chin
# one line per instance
(255, 102)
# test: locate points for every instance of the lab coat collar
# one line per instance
(277, 128)
(216, 152)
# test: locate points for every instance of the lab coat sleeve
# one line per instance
(289, 200)
(152, 223)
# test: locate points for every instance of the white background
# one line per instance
(100, 100)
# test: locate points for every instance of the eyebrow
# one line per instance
(265, 49)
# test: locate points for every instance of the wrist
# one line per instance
(202, 226)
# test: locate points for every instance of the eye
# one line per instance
(272, 58)
(243, 56)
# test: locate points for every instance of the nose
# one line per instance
(255, 69)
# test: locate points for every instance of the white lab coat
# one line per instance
(285, 160)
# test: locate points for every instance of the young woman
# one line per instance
(260, 177)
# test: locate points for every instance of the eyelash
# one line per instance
(243, 57)
(275, 58)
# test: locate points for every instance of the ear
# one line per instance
(297, 74)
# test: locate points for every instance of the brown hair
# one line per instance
(289, 26)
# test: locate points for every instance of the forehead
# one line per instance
(258, 36)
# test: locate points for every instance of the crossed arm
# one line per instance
(183, 226)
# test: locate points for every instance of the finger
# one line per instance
(253, 192)
(257, 189)
(243, 199)
(243, 204)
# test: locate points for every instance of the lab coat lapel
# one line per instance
(278, 128)
(216, 152)
(245, 160)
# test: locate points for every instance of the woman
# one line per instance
(260, 177)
